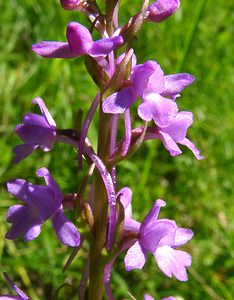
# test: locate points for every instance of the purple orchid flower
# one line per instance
(160, 237)
(162, 9)
(36, 130)
(153, 235)
(175, 133)
(80, 42)
(149, 83)
(20, 294)
(42, 203)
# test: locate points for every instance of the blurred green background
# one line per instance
(197, 39)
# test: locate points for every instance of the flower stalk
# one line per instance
(100, 210)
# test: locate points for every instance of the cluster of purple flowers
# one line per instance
(125, 81)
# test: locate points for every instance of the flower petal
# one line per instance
(186, 142)
(162, 9)
(65, 229)
(79, 38)
(44, 172)
(19, 188)
(152, 215)
(182, 236)
(148, 78)
(118, 102)
(104, 46)
(42, 136)
(125, 195)
(178, 126)
(45, 112)
(173, 262)
(26, 222)
(131, 225)
(70, 4)
(158, 232)
(20, 293)
(175, 83)
(22, 151)
(135, 257)
(169, 144)
(170, 231)
(49, 49)
(33, 232)
(36, 120)
(37, 196)
(158, 108)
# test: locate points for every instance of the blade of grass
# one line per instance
(191, 34)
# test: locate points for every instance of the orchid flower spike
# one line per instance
(79, 43)
(36, 131)
(160, 237)
(42, 203)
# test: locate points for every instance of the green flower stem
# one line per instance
(100, 213)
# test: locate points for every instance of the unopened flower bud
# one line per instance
(70, 4)
(162, 9)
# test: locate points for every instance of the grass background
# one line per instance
(199, 194)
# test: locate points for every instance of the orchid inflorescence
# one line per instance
(107, 214)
